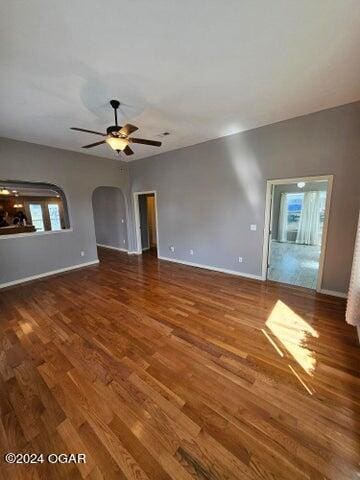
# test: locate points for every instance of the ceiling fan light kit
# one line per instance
(117, 137)
(117, 143)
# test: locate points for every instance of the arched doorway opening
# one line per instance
(110, 223)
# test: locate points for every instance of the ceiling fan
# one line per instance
(116, 136)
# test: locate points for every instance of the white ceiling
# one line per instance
(199, 69)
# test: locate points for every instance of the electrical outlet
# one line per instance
(240, 259)
(124, 241)
(172, 248)
(191, 251)
(253, 227)
(82, 253)
(122, 220)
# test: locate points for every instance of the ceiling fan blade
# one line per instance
(127, 150)
(94, 144)
(128, 129)
(154, 143)
(87, 131)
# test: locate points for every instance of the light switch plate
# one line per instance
(253, 227)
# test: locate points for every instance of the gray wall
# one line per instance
(290, 188)
(78, 175)
(110, 217)
(209, 194)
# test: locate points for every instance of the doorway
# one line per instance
(146, 222)
(295, 231)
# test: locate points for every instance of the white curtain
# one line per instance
(283, 221)
(309, 232)
(353, 303)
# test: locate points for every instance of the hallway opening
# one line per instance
(146, 222)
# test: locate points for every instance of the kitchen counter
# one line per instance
(13, 229)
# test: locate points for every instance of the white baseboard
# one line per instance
(112, 248)
(134, 252)
(47, 274)
(215, 269)
(333, 293)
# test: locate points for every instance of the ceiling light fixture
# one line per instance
(18, 205)
(4, 191)
(301, 184)
(117, 143)
(118, 137)
(14, 191)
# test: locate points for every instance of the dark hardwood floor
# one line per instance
(156, 370)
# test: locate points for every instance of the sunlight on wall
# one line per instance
(247, 171)
(292, 332)
(231, 129)
(249, 176)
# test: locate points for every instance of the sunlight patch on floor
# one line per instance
(292, 332)
(307, 388)
(26, 327)
(277, 349)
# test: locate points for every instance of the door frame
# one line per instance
(268, 215)
(137, 220)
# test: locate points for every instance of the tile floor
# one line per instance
(294, 264)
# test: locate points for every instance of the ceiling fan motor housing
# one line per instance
(113, 130)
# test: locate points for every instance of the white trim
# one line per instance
(324, 233)
(210, 267)
(333, 293)
(111, 248)
(135, 252)
(137, 220)
(314, 178)
(268, 206)
(268, 203)
(47, 274)
(35, 234)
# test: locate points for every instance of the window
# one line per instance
(54, 215)
(37, 218)
(310, 205)
(294, 203)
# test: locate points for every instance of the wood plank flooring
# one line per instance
(160, 371)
